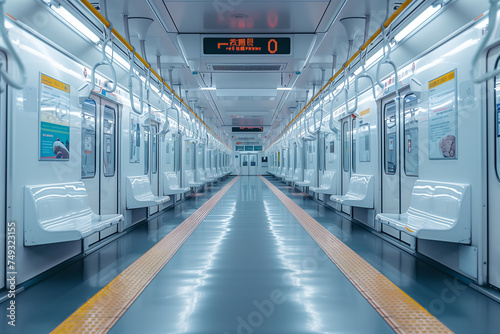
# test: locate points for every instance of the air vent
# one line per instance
(246, 67)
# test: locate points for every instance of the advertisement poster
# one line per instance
(135, 139)
(54, 119)
(443, 120)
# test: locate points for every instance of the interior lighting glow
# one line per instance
(75, 23)
(284, 88)
(208, 88)
(417, 22)
(118, 59)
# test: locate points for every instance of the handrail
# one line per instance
(107, 24)
(387, 60)
(166, 126)
(362, 74)
(346, 102)
(354, 56)
(131, 77)
(492, 15)
(105, 61)
(318, 111)
(3, 32)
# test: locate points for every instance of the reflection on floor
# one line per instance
(250, 267)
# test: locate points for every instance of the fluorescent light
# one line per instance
(75, 23)
(208, 88)
(373, 59)
(417, 22)
(284, 88)
(118, 59)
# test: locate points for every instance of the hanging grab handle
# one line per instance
(131, 77)
(362, 74)
(106, 61)
(491, 26)
(318, 111)
(166, 126)
(8, 79)
(387, 60)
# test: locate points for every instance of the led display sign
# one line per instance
(246, 45)
(247, 129)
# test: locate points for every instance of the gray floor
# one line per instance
(251, 268)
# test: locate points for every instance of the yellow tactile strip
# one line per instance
(398, 309)
(104, 309)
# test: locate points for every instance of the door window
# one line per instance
(146, 150)
(345, 151)
(108, 143)
(411, 135)
(88, 138)
(497, 123)
(354, 134)
(390, 143)
(154, 151)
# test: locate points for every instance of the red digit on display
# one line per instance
(270, 48)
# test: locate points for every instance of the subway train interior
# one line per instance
(250, 166)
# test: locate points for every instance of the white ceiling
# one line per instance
(247, 98)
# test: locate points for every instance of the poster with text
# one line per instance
(53, 118)
(443, 120)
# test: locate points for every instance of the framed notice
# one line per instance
(443, 117)
(53, 116)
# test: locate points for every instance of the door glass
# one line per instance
(364, 142)
(253, 160)
(177, 160)
(411, 135)
(390, 143)
(244, 160)
(108, 143)
(88, 139)
(354, 134)
(154, 151)
(146, 150)
(345, 151)
(497, 122)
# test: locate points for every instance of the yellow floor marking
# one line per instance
(104, 309)
(398, 309)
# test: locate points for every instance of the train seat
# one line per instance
(327, 184)
(171, 185)
(202, 177)
(61, 212)
(287, 174)
(359, 193)
(139, 194)
(295, 177)
(438, 211)
(308, 178)
(189, 174)
(210, 174)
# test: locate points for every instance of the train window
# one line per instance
(88, 139)
(354, 134)
(146, 150)
(135, 139)
(108, 127)
(390, 143)
(411, 134)
(345, 151)
(497, 122)
(364, 142)
(154, 151)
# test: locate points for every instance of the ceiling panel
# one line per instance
(246, 16)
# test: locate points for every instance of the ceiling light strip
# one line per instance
(363, 48)
(106, 23)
